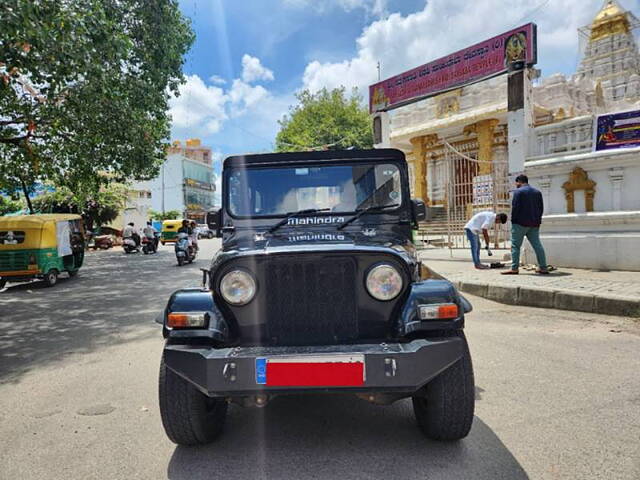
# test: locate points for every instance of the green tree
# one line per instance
(325, 120)
(84, 89)
(168, 215)
(8, 205)
(97, 210)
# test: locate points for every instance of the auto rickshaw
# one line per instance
(40, 247)
(169, 231)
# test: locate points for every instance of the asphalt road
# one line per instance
(558, 395)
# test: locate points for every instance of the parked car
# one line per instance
(204, 231)
(317, 289)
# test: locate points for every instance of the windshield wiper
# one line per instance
(295, 214)
(362, 211)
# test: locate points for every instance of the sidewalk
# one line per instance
(612, 292)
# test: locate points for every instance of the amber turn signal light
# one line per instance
(441, 311)
(186, 320)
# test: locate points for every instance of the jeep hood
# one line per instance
(316, 240)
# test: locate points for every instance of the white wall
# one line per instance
(173, 186)
(605, 240)
(608, 237)
(604, 168)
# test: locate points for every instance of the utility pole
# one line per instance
(378, 70)
(163, 186)
(519, 116)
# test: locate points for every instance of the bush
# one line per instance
(8, 205)
(168, 215)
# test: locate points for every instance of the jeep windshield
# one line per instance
(278, 191)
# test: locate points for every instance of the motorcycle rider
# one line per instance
(185, 228)
(130, 232)
(188, 232)
(194, 235)
(150, 232)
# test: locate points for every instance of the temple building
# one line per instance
(456, 145)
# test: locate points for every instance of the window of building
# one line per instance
(200, 172)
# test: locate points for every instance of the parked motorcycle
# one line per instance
(184, 250)
(129, 245)
(103, 242)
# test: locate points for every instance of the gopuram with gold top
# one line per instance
(576, 137)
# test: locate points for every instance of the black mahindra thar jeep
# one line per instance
(317, 289)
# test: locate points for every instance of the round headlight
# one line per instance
(384, 282)
(238, 287)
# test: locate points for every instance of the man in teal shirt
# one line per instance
(526, 216)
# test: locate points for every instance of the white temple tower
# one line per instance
(611, 59)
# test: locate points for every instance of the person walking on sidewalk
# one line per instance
(526, 216)
(481, 222)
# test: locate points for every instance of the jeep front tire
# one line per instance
(189, 417)
(444, 407)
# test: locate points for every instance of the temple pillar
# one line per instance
(420, 146)
(617, 177)
(419, 178)
(545, 188)
(484, 130)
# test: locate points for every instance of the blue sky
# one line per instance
(251, 56)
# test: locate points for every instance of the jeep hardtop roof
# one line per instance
(325, 155)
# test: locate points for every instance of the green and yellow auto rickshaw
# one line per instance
(40, 247)
(169, 231)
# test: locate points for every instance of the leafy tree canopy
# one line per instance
(328, 119)
(100, 209)
(84, 88)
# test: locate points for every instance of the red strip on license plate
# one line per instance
(319, 371)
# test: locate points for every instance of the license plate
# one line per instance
(311, 371)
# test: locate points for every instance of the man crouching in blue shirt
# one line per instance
(526, 217)
(481, 222)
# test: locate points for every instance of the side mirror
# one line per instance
(419, 211)
(214, 222)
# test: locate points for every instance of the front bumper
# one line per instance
(394, 367)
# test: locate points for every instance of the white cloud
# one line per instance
(444, 26)
(200, 107)
(205, 110)
(244, 96)
(217, 79)
(253, 70)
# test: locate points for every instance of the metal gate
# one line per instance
(474, 186)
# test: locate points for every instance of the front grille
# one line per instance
(311, 302)
(13, 260)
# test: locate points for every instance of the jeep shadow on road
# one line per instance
(333, 436)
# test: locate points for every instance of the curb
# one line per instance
(558, 299)
(548, 298)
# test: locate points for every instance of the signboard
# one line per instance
(617, 130)
(478, 62)
(198, 184)
(482, 190)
